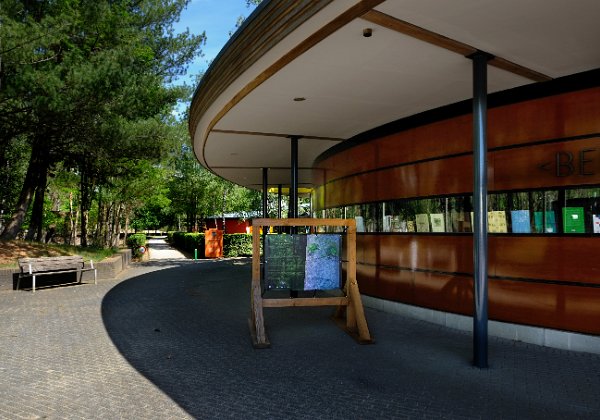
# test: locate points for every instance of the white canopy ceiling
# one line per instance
(414, 61)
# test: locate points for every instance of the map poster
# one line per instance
(285, 257)
(323, 262)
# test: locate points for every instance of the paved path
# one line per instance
(161, 250)
(169, 339)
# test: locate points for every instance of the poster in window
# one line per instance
(596, 223)
(437, 222)
(538, 219)
(520, 221)
(497, 222)
(422, 222)
(360, 224)
(573, 220)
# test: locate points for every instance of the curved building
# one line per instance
(387, 101)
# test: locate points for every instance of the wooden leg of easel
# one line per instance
(257, 321)
(358, 313)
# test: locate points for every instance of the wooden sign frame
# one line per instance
(350, 315)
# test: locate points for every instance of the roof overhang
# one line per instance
(298, 68)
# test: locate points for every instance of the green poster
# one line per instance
(539, 221)
(573, 220)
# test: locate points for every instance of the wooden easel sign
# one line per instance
(306, 262)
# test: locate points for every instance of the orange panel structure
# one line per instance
(213, 243)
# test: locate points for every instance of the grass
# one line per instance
(11, 251)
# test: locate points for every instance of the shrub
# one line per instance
(135, 241)
(237, 244)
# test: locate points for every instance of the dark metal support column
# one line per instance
(480, 227)
(265, 188)
(294, 177)
(279, 196)
(265, 210)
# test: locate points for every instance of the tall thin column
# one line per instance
(294, 177)
(480, 227)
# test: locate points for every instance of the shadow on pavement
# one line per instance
(185, 329)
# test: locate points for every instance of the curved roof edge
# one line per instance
(571, 83)
(267, 25)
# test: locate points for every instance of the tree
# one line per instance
(78, 78)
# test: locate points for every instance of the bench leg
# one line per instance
(18, 282)
(33, 284)
(95, 276)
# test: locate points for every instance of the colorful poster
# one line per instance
(497, 222)
(520, 221)
(538, 218)
(422, 223)
(437, 222)
(360, 224)
(573, 220)
(596, 221)
(322, 262)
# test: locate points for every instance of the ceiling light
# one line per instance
(367, 32)
(299, 99)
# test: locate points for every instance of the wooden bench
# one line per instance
(42, 266)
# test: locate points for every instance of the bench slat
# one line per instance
(51, 263)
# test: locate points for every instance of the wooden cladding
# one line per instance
(543, 280)
(539, 258)
(533, 280)
(525, 141)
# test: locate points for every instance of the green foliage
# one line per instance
(237, 245)
(188, 242)
(234, 245)
(135, 241)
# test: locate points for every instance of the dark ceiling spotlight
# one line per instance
(367, 32)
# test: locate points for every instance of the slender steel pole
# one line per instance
(279, 201)
(480, 228)
(265, 188)
(294, 177)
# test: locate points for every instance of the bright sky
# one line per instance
(215, 17)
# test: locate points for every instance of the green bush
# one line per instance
(237, 245)
(234, 244)
(193, 241)
(170, 236)
(134, 242)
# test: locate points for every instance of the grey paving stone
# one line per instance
(169, 339)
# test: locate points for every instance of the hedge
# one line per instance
(135, 241)
(234, 244)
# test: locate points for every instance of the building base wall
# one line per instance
(534, 335)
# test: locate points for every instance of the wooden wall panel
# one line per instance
(561, 116)
(567, 115)
(554, 306)
(570, 259)
(536, 166)
(433, 271)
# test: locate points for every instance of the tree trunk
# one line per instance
(86, 203)
(36, 224)
(29, 184)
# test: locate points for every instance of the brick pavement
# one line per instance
(169, 339)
